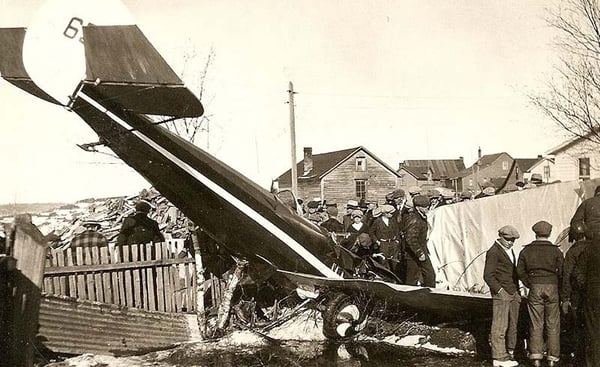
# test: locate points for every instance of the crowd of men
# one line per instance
(550, 284)
(391, 237)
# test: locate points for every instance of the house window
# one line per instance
(361, 189)
(504, 165)
(361, 164)
(547, 173)
(584, 168)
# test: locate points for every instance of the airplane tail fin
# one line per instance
(93, 44)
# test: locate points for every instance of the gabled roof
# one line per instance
(324, 163)
(482, 162)
(570, 142)
(525, 164)
(440, 168)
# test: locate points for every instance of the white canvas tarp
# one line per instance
(461, 233)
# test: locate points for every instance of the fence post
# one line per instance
(21, 279)
(200, 310)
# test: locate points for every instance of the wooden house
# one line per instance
(431, 172)
(349, 174)
(576, 159)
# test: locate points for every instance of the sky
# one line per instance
(419, 79)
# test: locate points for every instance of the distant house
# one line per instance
(491, 168)
(576, 159)
(502, 171)
(540, 167)
(349, 174)
(435, 172)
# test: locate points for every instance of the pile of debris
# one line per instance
(62, 224)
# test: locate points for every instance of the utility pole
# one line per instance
(293, 139)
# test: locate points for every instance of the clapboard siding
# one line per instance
(566, 163)
(339, 184)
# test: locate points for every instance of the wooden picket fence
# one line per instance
(147, 276)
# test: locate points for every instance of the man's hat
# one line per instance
(143, 206)
(489, 191)
(508, 232)
(352, 204)
(387, 209)
(91, 223)
(398, 193)
(519, 184)
(542, 228)
(364, 240)
(356, 213)
(313, 204)
(332, 211)
(376, 212)
(413, 190)
(421, 201)
(465, 195)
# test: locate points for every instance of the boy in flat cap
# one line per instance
(500, 274)
(540, 269)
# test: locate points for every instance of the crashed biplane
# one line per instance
(114, 79)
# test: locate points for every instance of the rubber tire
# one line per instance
(334, 305)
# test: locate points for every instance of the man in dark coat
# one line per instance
(418, 264)
(500, 274)
(587, 273)
(540, 269)
(572, 298)
(139, 228)
(331, 224)
(384, 233)
(589, 213)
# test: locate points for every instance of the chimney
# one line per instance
(461, 158)
(540, 156)
(307, 161)
(479, 153)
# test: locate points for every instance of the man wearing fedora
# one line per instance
(500, 274)
(540, 269)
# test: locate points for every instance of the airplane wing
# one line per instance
(442, 304)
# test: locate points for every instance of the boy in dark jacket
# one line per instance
(540, 269)
(500, 274)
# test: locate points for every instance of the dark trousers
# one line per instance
(504, 324)
(573, 325)
(391, 250)
(592, 324)
(419, 270)
(544, 316)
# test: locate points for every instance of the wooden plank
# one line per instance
(87, 258)
(72, 277)
(106, 278)
(160, 286)
(81, 291)
(97, 275)
(119, 277)
(114, 266)
(194, 284)
(137, 280)
(55, 281)
(144, 280)
(188, 288)
(164, 247)
(176, 303)
(128, 280)
(62, 280)
(150, 285)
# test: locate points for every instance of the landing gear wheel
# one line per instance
(343, 317)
